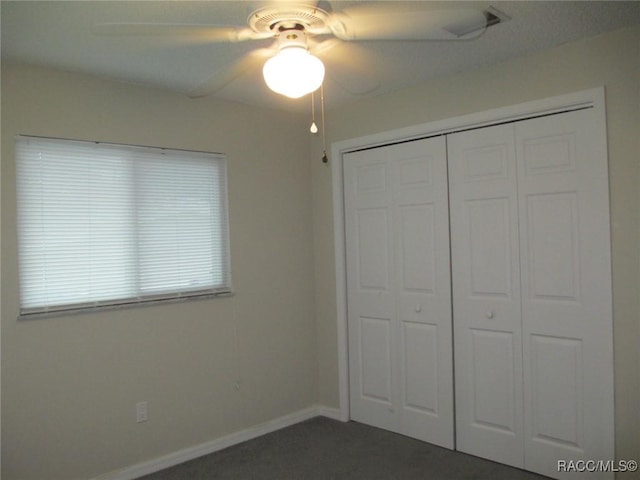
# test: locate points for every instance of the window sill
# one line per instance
(72, 311)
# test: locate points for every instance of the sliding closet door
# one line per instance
(566, 286)
(486, 293)
(398, 286)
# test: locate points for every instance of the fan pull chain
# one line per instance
(325, 159)
(314, 127)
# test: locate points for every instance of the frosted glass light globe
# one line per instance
(293, 72)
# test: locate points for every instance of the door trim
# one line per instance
(591, 98)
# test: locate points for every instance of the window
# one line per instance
(103, 224)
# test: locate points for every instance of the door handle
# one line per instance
(490, 314)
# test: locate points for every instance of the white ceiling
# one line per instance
(61, 34)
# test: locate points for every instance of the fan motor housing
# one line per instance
(275, 19)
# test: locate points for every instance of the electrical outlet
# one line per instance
(142, 412)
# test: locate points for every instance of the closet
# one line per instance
(486, 253)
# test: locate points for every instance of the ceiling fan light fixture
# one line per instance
(293, 71)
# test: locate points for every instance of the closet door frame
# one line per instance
(592, 98)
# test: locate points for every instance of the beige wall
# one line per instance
(70, 384)
(612, 60)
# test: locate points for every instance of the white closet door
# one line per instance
(532, 292)
(486, 294)
(566, 291)
(370, 293)
(423, 291)
(398, 286)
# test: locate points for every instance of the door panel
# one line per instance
(489, 272)
(371, 304)
(492, 381)
(398, 269)
(486, 294)
(420, 367)
(553, 247)
(566, 283)
(373, 257)
(417, 249)
(423, 291)
(375, 360)
(557, 391)
(530, 250)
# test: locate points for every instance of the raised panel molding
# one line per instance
(549, 154)
(486, 163)
(414, 172)
(492, 380)
(375, 359)
(418, 248)
(421, 366)
(489, 247)
(554, 258)
(371, 179)
(373, 261)
(556, 389)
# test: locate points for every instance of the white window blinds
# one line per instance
(103, 224)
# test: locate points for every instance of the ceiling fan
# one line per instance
(306, 31)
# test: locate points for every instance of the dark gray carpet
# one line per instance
(324, 449)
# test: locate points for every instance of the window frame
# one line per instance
(219, 212)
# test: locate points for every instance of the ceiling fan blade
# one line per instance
(348, 65)
(201, 33)
(250, 61)
(407, 21)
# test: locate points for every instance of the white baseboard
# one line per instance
(330, 412)
(181, 456)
